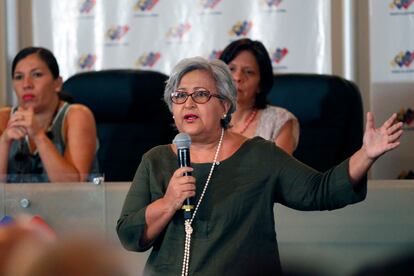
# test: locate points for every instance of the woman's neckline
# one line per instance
(234, 155)
(249, 120)
(254, 118)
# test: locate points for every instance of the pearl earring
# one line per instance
(224, 116)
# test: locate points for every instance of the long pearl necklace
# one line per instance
(187, 224)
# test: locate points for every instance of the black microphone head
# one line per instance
(182, 140)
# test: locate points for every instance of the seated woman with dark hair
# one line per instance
(235, 182)
(252, 73)
(44, 138)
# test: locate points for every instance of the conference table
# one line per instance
(338, 242)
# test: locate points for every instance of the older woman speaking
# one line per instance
(235, 182)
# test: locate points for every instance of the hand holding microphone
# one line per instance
(179, 188)
(183, 142)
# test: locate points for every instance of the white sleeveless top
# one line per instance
(271, 121)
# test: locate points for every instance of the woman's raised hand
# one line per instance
(378, 141)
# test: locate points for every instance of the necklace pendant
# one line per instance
(188, 228)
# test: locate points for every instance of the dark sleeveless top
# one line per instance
(23, 166)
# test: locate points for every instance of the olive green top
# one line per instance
(234, 229)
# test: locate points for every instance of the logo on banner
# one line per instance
(144, 8)
(178, 32)
(241, 28)
(277, 56)
(209, 6)
(145, 5)
(272, 5)
(148, 59)
(116, 33)
(407, 117)
(401, 4)
(86, 6)
(400, 7)
(215, 54)
(86, 61)
(402, 62)
(403, 59)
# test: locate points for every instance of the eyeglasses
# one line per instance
(198, 96)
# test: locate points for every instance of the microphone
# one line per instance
(183, 141)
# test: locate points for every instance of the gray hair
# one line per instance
(217, 69)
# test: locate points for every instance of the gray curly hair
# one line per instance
(217, 69)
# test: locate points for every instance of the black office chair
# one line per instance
(130, 115)
(330, 113)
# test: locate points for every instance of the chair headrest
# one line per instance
(313, 97)
(119, 94)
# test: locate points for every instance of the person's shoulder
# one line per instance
(4, 116)
(258, 143)
(79, 109)
(258, 149)
(79, 113)
(276, 109)
(267, 148)
(279, 112)
(5, 110)
(159, 152)
(160, 149)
